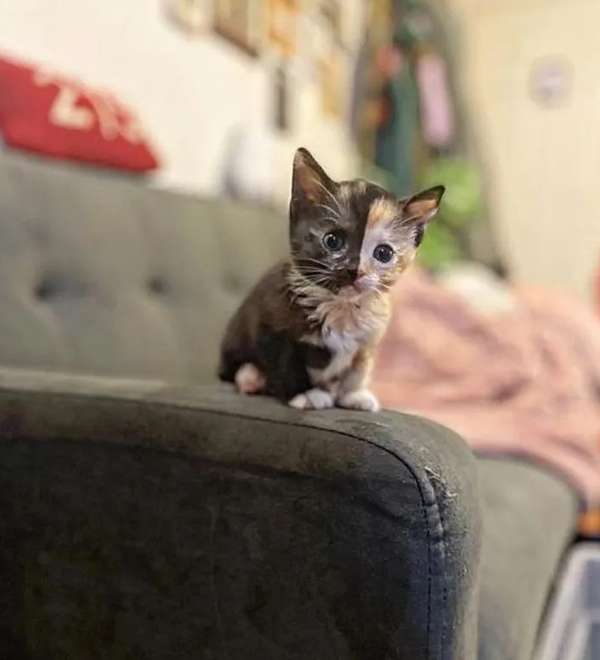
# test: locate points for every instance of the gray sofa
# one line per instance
(149, 512)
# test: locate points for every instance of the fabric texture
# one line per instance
(528, 523)
(524, 383)
(150, 521)
(45, 112)
(143, 520)
(101, 275)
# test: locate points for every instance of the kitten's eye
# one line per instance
(383, 253)
(334, 241)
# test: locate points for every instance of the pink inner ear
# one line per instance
(424, 205)
(421, 210)
(309, 183)
(309, 178)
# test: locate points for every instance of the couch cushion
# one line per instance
(99, 274)
(529, 518)
(140, 520)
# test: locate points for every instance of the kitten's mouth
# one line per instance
(349, 289)
(356, 289)
(362, 285)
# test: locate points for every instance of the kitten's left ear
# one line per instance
(310, 183)
(421, 208)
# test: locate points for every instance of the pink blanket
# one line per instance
(524, 383)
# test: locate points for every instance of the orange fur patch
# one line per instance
(382, 210)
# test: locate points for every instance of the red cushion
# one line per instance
(47, 113)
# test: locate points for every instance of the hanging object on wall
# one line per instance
(418, 26)
(551, 81)
(331, 83)
(192, 16)
(397, 138)
(241, 22)
(331, 14)
(282, 19)
(281, 101)
(321, 30)
(437, 119)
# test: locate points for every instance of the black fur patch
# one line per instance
(420, 231)
(282, 361)
(315, 357)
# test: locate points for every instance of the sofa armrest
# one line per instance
(139, 518)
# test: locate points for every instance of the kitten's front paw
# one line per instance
(249, 379)
(315, 399)
(359, 400)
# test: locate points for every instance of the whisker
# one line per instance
(314, 267)
(319, 267)
(315, 281)
(311, 260)
(334, 213)
(315, 271)
(305, 279)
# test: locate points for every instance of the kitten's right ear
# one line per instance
(310, 183)
(421, 208)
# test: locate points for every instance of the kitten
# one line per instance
(308, 330)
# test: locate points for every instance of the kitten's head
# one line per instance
(353, 233)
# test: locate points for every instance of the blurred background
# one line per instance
(497, 99)
(146, 154)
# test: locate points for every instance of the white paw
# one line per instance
(314, 399)
(249, 379)
(359, 400)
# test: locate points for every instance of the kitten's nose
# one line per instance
(361, 283)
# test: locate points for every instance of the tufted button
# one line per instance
(158, 285)
(45, 289)
(52, 286)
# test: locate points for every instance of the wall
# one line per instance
(191, 93)
(542, 162)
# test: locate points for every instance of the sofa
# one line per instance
(147, 511)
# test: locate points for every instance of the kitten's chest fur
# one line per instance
(346, 325)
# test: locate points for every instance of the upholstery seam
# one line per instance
(444, 581)
(445, 576)
(222, 413)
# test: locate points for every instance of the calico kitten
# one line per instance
(307, 331)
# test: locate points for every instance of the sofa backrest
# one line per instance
(100, 274)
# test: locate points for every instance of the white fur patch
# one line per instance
(315, 399)
(349, 320)
(384, 234)
(343, 347)
(249, 379)
(360, 400)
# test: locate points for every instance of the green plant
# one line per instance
(461, 205)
